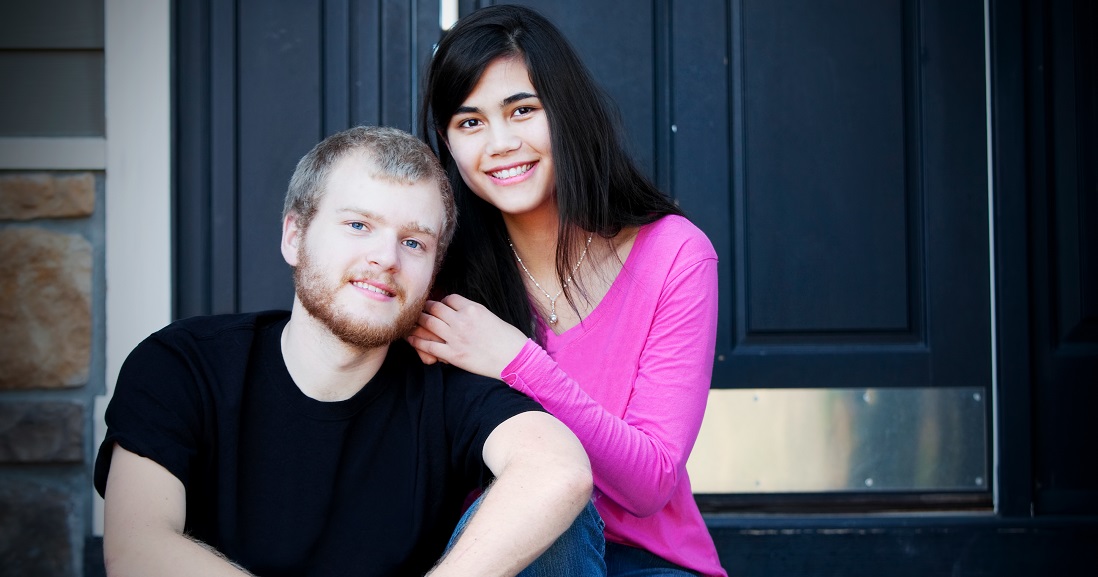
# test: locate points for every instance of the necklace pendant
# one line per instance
(552, 318)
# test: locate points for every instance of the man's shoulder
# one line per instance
(449, 383)
(229, 336)
(214, 327)
(454, 375)
(485, 394)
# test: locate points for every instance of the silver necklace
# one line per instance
(552, 299)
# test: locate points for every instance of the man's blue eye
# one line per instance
(412, 243)
(357, 225)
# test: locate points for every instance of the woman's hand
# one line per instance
(465, 334)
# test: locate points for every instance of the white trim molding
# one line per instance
(138, 183)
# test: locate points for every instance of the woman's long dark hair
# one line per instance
(598, 187)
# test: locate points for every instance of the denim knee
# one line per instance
(578, 551)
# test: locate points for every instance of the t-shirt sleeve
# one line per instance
(475, 407)
(155, 411)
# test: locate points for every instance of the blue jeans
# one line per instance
(578, 551)
(626, 561)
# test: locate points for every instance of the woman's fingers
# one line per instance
(465, 334)
(424, 332)
(427, 358)
(431, 327)
(439, 309)
(456, 302)
(449, 317)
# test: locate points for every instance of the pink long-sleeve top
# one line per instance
(631, 381)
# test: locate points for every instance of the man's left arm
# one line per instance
(543, 481)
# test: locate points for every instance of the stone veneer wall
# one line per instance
(52, 357)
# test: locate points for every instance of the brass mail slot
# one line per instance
(821, 440)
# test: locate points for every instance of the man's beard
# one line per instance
(319, 300)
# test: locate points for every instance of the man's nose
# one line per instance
(383, 253)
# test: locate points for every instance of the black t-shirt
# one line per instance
(287, 485)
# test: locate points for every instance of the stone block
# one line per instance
(27, 196)
(42, 432)
(45, 309)
(35, 534)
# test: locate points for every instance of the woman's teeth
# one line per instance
(511, 172)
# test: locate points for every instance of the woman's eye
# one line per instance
(469, 123)
(523, 110)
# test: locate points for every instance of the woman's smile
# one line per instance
(513, 174)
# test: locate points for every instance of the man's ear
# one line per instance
(292, 235)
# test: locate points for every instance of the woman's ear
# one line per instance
(292, 236)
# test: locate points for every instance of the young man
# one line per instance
(315, 442)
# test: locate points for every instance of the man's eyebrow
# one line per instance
(420, 228)
(412, 226)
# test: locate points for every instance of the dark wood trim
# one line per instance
(338, 30)
(193, 167)
(204, 159)
(224, 157)
(1012, 269)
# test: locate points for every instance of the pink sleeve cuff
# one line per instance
(525, 363)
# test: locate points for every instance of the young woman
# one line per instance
(573, 278)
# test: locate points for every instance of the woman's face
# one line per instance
(499, 138)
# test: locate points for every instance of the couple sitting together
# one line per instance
(558, 382)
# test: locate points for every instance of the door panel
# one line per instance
(859, 196)
(824, 170)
